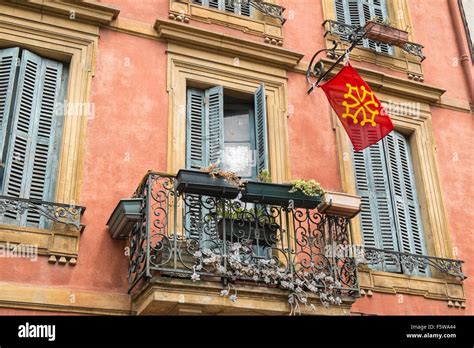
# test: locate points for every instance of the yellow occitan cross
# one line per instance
(360, 105)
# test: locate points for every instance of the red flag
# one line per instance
(359, 110)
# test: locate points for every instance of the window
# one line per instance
(231, 6)
(230, 131)
(358, 12)
(390, 215)
(227, 130)
(31, 93)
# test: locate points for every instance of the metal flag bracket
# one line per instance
(317, 69)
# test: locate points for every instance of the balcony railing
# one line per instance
(347, 32)
(411, 263)
(41, 214)
(202, 237)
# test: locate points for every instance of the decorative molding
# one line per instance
(257, 25)
(225, 44)
(189, 65)
(450, 291)
(57, 299)
(61, 245)
(73, 42)
(89, 11)
(165, 296)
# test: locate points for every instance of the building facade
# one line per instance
(102, 103)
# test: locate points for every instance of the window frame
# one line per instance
(433, 212)
(75, 43)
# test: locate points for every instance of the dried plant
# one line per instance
(214, 171)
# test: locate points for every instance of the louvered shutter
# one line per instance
(195, 151)
(205, 131)
(261, 129)
(205, 142)
(9, 59)
(245, 9)
(358, 12)
(215, 4)
(377, 220)
(31, 161)
(214, 110)
(229, 6)
(404, 197)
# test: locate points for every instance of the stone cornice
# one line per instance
(86, 10)
(229, 45)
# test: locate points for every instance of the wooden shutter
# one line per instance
(404, 197)
(245, 9)
(261, 129)
(377, 220)
(205, 142)
(358, 12)
(196, 156)
(9, 59)
(31, 161)
(205, 131)
(214, 111)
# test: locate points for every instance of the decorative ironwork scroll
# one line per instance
(411, 262)
(57, 212)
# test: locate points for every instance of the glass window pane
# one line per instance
(236, 127)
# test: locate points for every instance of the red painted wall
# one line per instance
(131, 108)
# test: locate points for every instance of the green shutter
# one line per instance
(261, 129)
(214, 111)
(404, 197)
(195, 130)
(205, 130)
(31, 161)
(9, 59)
(377, 220)
(340, 8)
(205, 142)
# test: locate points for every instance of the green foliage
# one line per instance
(264, 176)
(308, 187)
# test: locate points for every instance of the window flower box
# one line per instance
(201, 183)
(247, 230)
(277, 194)
(385, 34)
(125, 215)
(340, 204)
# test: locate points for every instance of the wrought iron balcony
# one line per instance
(36, 213)
(348, 33)
(410, 263)
(197, 237)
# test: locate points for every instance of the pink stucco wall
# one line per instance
(131, 105)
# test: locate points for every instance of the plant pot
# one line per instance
(123, 218)
(340, 204)
(277, 194)
(246, 229)
(385, 34)
(201, 183)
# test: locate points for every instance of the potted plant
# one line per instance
(299, 194)
(125, 215)
(251, 224)
(381, 31)
(340, 204)
(210, 181)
